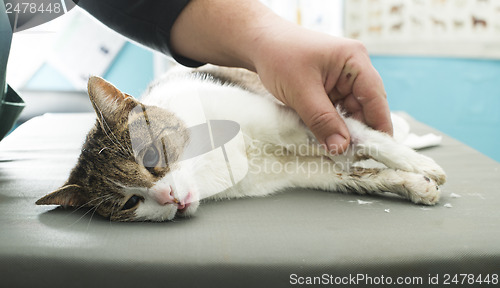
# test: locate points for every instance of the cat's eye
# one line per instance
(151, 157)
(132, 202)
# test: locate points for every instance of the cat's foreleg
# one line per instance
(366, 143)
(369, 143)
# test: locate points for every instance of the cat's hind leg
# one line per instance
(415, 187)
(270, 173)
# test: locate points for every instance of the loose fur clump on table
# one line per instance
(140, 176)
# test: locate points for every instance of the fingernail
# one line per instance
(336, 143)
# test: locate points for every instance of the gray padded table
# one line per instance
(258, 242)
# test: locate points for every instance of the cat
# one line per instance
(131, 167)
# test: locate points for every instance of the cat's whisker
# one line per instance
(94, 209)
(103, 149)
(106, 128)
(120, 153)
(111, 217)
(92, 215)
(88, 203)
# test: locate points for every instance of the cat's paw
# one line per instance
(438, 175)
(419, 164)
(421, 189)
(403, 158)
(428, 167)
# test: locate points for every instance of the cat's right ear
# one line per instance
(110, 104)
(66, 196)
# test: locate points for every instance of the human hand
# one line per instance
(311, 72)
(306, 70)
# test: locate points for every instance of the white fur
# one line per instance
(281, 152)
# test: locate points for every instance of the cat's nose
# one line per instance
(165, 196)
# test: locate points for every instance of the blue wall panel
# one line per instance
(460, 97)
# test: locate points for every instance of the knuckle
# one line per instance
(319, 120)
(360, 46)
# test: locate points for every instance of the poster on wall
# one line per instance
(319, 15)
(450, 28)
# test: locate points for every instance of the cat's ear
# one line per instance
(67, 196)
(110, 104)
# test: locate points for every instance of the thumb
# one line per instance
(322, 118)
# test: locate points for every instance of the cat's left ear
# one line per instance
(67, 196)
(110, 104)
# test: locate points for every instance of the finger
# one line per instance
(347, 77)
(351, 104)
(348, 104)
(319, 114)
(370, 93)
(335, 96)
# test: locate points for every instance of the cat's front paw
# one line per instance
(438, 175)
(431, 169)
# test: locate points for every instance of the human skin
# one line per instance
(306, 70)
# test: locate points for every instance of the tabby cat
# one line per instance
(133, 164)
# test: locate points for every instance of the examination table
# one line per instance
(278, 241)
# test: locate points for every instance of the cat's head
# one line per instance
(129, 168)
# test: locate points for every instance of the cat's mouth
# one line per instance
(183, 205)
(182, 208)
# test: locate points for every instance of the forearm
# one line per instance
(224, 32)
